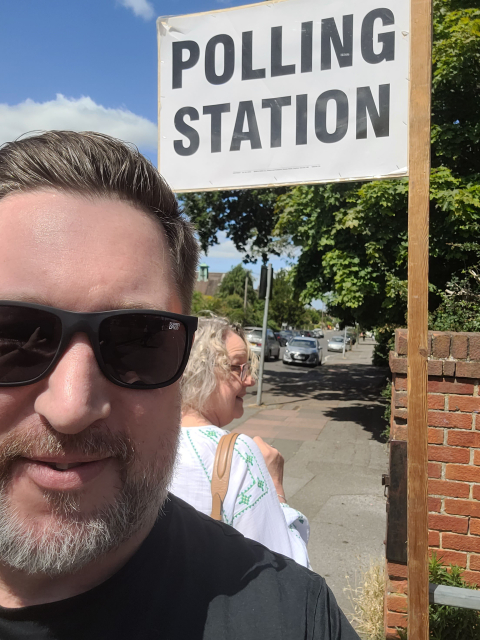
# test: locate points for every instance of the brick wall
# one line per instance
(453, 453)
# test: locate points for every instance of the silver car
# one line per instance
(303, 351)
(336, 344)
(254, 336)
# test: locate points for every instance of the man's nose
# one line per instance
(76, 393)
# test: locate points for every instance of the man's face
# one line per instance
(82, 254)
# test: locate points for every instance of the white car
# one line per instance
(303, 351)
(336, 344)
(254, 337)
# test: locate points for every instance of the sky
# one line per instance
(91, 65)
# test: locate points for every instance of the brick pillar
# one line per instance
(453, 453)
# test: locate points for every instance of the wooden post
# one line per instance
(418, 231)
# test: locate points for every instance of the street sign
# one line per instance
(284, 92)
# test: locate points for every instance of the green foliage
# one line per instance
(459, 309)
(386, 394)
(385, 342)
(233, 283)
(449, 623)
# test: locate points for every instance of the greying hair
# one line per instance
(209, 361)
(97, 165)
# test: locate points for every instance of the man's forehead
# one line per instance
(60, 249)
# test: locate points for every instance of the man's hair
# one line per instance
(94, 164)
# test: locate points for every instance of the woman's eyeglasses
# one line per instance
(140, 349)
(243, 369)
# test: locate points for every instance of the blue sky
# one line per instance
(90, 64)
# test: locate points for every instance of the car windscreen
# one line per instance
(255, 334)
(337, 339)
(306, 344)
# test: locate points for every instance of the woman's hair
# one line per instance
(209, 361)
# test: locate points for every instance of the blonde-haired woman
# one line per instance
(213, 387)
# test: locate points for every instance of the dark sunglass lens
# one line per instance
(142, 349)
(29, 339)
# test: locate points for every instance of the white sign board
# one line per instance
(287, 92)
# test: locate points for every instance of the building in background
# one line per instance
(208, 283)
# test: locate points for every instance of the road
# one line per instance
(327, 423)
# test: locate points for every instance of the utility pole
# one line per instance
(246, 291)
(264, 335)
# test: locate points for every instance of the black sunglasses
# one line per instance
(139, 349)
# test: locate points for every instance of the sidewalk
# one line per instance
(327, 424)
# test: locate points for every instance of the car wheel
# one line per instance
(319, 360)
(277, 357)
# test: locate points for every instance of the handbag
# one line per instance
(221, 473)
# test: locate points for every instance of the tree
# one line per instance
(233, 283)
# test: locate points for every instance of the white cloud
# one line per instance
(225, 249)
(82, 114)
(141, 8)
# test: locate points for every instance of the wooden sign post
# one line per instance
(418, 232)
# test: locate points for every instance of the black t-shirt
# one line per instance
(192, 578)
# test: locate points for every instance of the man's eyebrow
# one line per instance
(107, 305)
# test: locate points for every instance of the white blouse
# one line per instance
(251, 505)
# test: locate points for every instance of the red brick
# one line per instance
(398, 432)
(459, 347)
(476, 457)
(435, 436)
(449, 368)
(398, 586)
(468, 369)
(401, 399)
(435, 469)
(397, 603)
(451, 489)
(400, 413)
(435, 368)
(447, 386)
(441, 345)
(396, 619)
(461, 543)
(452, 557)
(462, 472)
(461, 403)
(462, 507)
(433, 539)
(475, 527)
(397, 365)
(476, 492)
(400, 382)
(436, 401)
(401, 341)
(474, 347)
(464, 439)
(397, 570)
(448, 454)
(447, 523)
(472, 577)
(434, 504)
(391, 634)
(450, 420)
(474, 562)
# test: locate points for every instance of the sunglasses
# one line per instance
(140, 349)
(244, 370)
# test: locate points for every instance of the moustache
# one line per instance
(96, 441)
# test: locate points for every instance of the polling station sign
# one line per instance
(287, 92)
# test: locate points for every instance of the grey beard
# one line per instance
(70, 540)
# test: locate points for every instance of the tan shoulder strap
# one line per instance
(221, 473)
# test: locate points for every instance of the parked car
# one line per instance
(318, 333)
(272, 348)
(336, 344)
(303, 350)
(282, 341)
(286, 335)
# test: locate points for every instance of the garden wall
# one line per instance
(453, 453)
